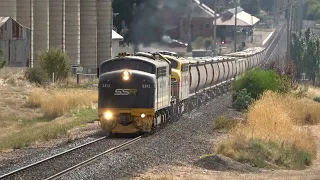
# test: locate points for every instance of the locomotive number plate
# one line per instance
(146, 86)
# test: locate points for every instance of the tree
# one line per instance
(55, 61)
(251, 6)
(306, 54)
(2, 60)
(312, 9)
(207, 43)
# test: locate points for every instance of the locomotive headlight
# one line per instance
(143, 115)
(108, 115)
(126, 75)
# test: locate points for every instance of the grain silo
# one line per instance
(8, 8)
(56, 23)
(88, 35)
(72, 30)
(104, 30)
(40, 28)
(24, 15)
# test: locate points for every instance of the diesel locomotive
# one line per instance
(139, 92)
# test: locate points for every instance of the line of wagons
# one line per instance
(137, 93)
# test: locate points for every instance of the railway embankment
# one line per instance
(273, 133)
(271, 130)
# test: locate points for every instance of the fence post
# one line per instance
(78, 78)
(53, 77)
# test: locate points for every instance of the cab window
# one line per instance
(174, 63)
(134, 64)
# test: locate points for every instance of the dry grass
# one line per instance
(25, 135)
(272, 125)
(313, 92)
(57, 102)
(224, 122)
(27, 113)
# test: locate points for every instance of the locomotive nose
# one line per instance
(125, 119)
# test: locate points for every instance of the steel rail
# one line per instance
(277, 45)
(94, 158)
(49, 158)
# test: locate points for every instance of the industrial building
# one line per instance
(82, 28)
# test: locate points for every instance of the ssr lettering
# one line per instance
(125, 92)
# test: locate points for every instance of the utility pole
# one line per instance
(293, 18)
(274, 12)
(189, 47)
(63, 37)
(288, 30)
(301, 15)
(215, 27)
(235, 24)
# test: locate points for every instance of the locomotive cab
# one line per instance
(180, 76)
(131, 90)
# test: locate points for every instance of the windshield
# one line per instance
(174, 63)
(127, 64)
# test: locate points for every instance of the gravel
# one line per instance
(182, 142)
(60, 163)
(21, 157)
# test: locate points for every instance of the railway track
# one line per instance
(272, 46)
(64, 162)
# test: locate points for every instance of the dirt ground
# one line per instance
(188, 172)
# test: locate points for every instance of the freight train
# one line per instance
(139, 92)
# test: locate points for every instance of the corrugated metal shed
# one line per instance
(3, 20)
(243, 19)
(15, 42)
(248, 18)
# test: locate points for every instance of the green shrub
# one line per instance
(55, 61)
(198, 43)
(2, 60)
(257, 81)
(285, 84)
(37, 75)
(242, 100)
(316, 99)
(224, 122)
(207, 42)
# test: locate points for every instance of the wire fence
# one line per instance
(87, 79)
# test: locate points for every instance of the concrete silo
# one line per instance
(72, 30)
(8, 8)
(56, 23)
(24, 15)
(40, 28)
(88, 35)
(104, 30)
